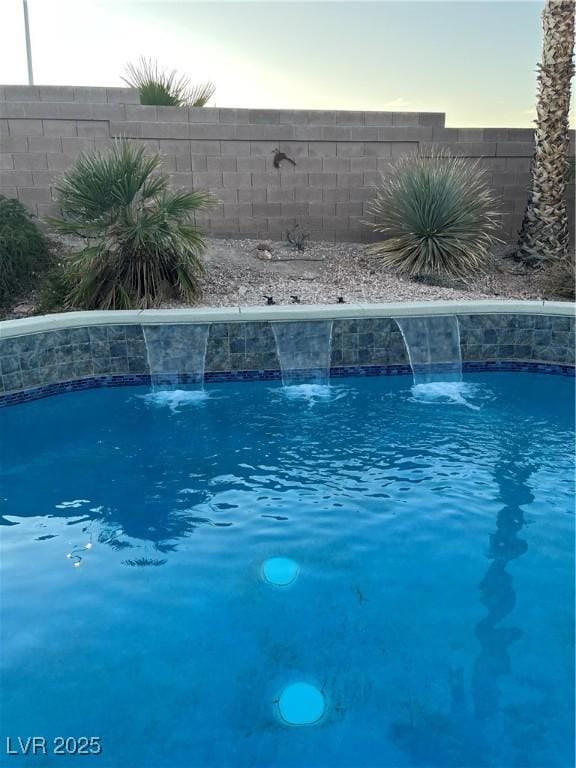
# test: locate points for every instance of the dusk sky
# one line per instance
(476, 61)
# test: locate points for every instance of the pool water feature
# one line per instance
(304, 352)
(433, 346)
(433, 608)
(172, 351)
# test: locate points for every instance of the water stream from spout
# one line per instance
(433, 346)
(304, 352)
(176, 359)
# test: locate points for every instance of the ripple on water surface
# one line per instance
(174, 399)
(424, 546)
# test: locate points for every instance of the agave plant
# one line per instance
(169, 89)
(439, 216)
(141, 242)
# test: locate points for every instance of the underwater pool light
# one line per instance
(301, 704)
(280, 571)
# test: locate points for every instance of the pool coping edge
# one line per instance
(54, 322)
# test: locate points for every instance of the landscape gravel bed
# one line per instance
(326, 271)
(248, 272)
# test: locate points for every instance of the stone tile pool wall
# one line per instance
(248, 349)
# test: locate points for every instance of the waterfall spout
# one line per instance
(304, 351)
(176, 358)
(433, 346)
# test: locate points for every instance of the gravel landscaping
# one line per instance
(244, 272)
(238, 275)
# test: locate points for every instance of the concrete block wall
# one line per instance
(339, 156)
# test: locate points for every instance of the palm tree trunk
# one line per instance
(544, 235)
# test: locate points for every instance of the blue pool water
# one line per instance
(430, 613)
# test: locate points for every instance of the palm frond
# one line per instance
(100, 184)
(185, 203)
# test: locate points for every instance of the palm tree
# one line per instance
(141, 241)
(544, 235)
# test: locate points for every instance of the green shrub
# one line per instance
(141, 242)
(24, 252)
(55, 287)
(169, 89)
(439, 216)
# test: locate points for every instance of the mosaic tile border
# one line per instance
(510, 366)
(214, 377)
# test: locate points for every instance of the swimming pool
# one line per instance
(430, 607)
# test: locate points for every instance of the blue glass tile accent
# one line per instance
(144, 379)
(555, 369)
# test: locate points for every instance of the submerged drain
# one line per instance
(280, 571)
(301, 704)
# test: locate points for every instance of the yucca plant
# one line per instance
(162, 88)
(141, 242)
(439, 217)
